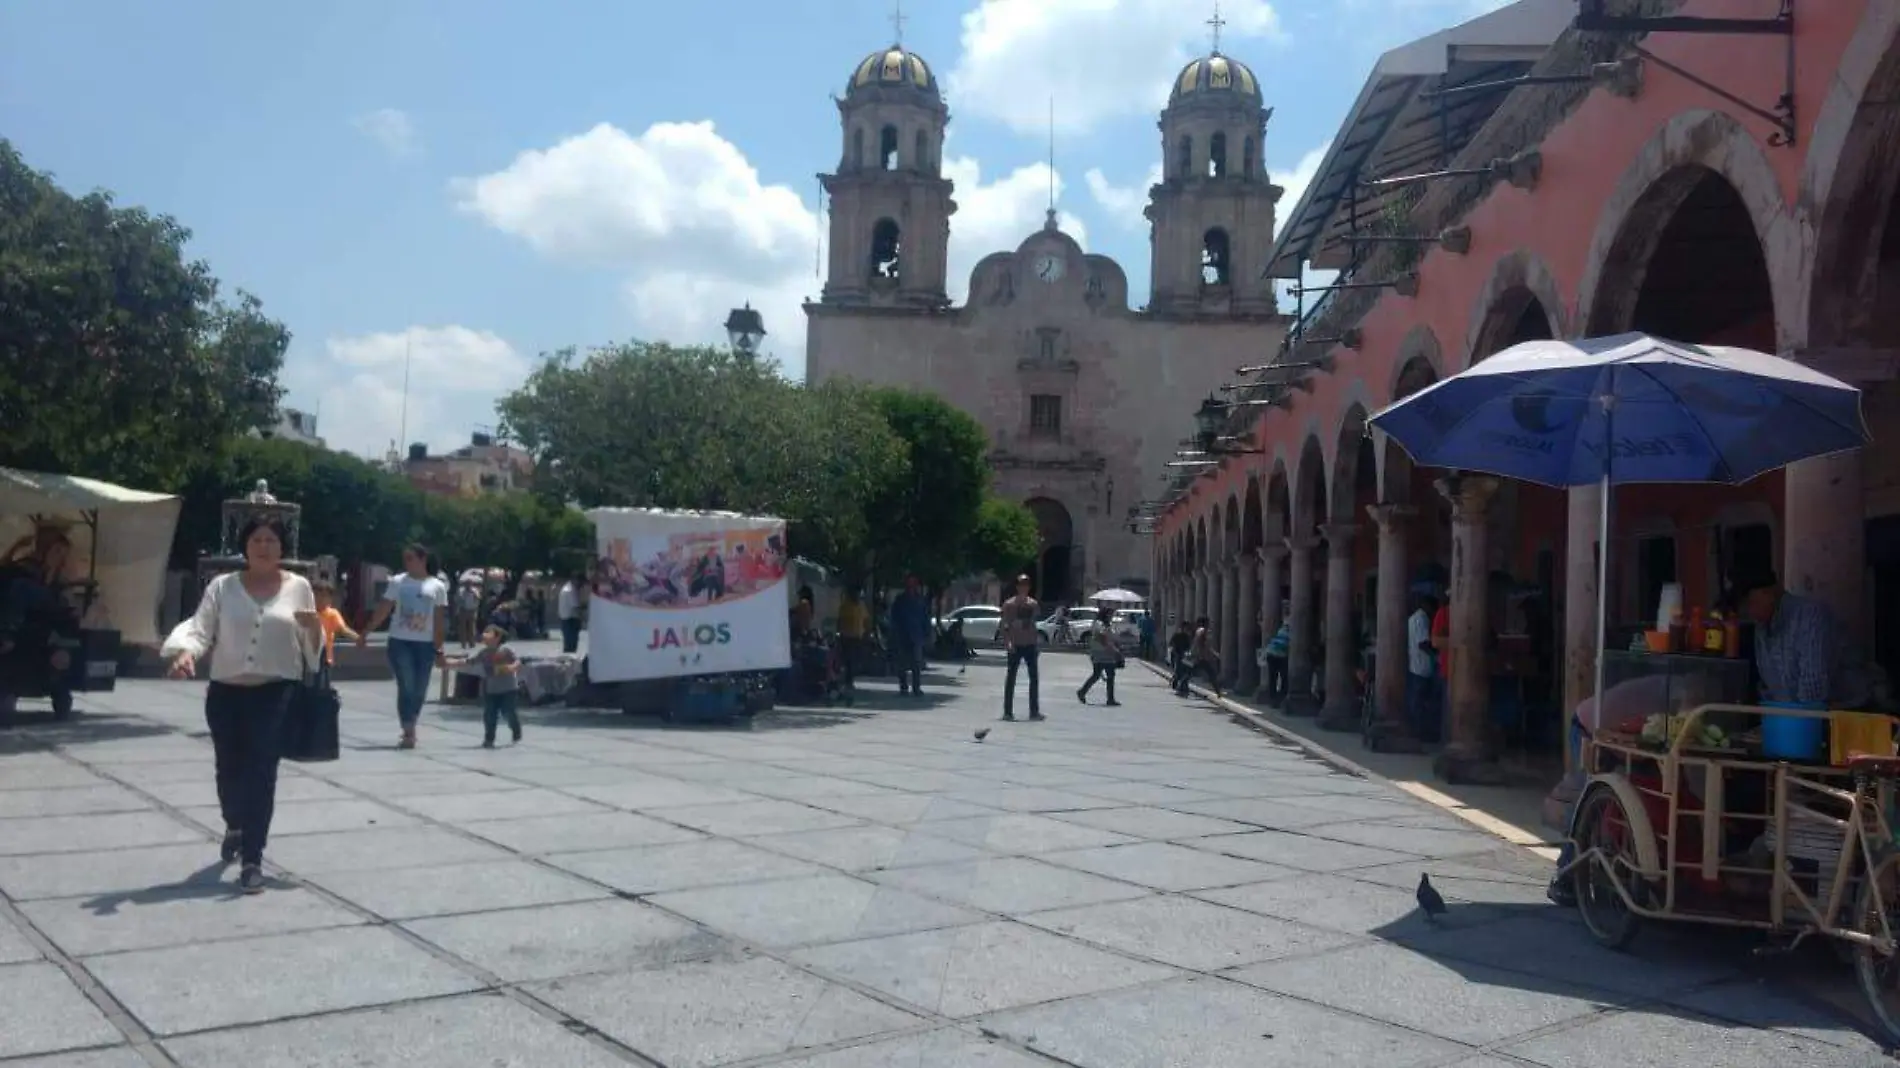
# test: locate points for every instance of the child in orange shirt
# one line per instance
(332, 622)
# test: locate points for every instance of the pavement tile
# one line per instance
(1024, 833)
(903, 811)
(202, 792)
(1476, 1006)
(177, 915)
(822, 908)
(1298, 851)
(377, 849)
(563, 778)
(17, 773)
(1009, 885)
(313, 817)
(116, 1057)
(68, 801)
(1031, 799)
(757, 817)
(657, 869)
(1369, 808)
(1273, 814)
(713, 1013)
(124, 871)
(423, 783)
(1341, 904)
(1057, 777)
(1466, 882)
(1154, 824)
(45, 1013)
(945, 1048)
(813, 787)
(1650, 968)
(1794, 1005)
(1188, 933)
(409, 893)
(523, 945)
(497, 805)
(501, 761)
(79, 834)
(1156, 794)
(14, 948)
(653, 792)
(458, 1032)
(1660, 1040)
(868, 848)
(1165, 866)
(1212, 1023)
(1418, 841)
(579, 832)
(967, 971)
(262, 979)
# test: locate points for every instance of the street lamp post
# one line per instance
(745, 327)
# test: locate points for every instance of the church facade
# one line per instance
(1086, 399)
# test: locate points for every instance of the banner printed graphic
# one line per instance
(682, 593)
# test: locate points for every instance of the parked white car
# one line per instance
(980, 622)
(1126, 627)
(1080, 620)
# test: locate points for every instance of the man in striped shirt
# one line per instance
(1800, 652)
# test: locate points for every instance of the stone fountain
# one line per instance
(237, 512)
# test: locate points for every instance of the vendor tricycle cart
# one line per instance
(1698, 827)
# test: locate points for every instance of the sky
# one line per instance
(463, 186)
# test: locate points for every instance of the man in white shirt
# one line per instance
(568, 607)
(1421, 671)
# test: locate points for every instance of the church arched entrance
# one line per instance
(1055, 554)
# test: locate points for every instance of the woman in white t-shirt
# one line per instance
(260, 628)
(414, 603)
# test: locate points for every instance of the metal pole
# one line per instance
(1608, 401)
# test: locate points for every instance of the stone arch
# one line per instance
(1419, 346)
(1055, 556)
(1665, 172)
(887, 249)
(1413, 373)
(1518, 280)
(1355, 473)
(1277, 504)
(1308, 486)
(1200, 542)
(1851, 179)
(1252, 520)
(1230, 528)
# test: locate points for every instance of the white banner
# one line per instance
(687, 593)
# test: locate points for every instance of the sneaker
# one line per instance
(1082, 696)
(1036, 717)
(251, 879)
(1113, 704)
(517, 736)
(488, 743)
(228, 849)
(1009, 716)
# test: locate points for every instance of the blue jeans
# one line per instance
(497, 707)
(412, 661)
(1026, 656)
(1423, 706)
(570, 636)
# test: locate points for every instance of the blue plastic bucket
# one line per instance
(1793, 737)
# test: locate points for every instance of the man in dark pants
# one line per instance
(1177, 654)
(910, 633)
(1018, 631)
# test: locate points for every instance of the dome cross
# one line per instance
(897, 22)
(1215, 24)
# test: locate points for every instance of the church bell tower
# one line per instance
(1213, 212)
(890, 203)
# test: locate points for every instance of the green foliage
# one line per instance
(1004, 540)
(651, 424)
(117, 359)
(922, 521)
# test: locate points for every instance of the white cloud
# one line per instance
(356, 387)
(389, 128)
(1096, 59)
(1295, 182)
(686, 218)
(1124, 202)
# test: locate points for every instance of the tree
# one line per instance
(117, 359)
(651, 424)
(1005, 540)
(922, 520)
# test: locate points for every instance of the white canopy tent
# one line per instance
(123, 535)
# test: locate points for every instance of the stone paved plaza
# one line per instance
(1133, 887)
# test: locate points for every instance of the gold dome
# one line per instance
(893, 67)
(1215, 74)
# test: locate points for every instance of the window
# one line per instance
(1046, 344)
(1748, 549)
(1184, 158)
(1655, 568)
(1215, 260)
(1045, 415)
(887, 148)
(1217, 156)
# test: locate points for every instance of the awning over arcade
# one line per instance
(1393, 130)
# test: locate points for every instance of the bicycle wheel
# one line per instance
(1603, 825)
(1878, 972)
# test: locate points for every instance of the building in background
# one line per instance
(294, 425)
(483, 466)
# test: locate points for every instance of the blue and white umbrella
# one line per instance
(1629, 408)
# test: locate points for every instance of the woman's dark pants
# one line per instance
(1104, 672)
(247, 737)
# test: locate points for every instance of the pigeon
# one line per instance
(982, 734)
(1429, 900)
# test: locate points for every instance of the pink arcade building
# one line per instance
(1712, 171)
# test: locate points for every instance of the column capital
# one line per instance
(1389, 516)
(1469, 495)
(1302, 545)
(1340, 534)
(1271, 551)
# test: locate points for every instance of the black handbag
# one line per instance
(312, 733)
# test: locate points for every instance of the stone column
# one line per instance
(1824, 540)
(1272, 568)
(1299, 685)
(1580, 599)
(1465, 758)
(1342, 645)
(1392, 651)
(1228, 627)
(1214, 581)
(1202, 593)
(1247, 667)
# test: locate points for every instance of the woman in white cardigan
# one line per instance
(260, 628)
